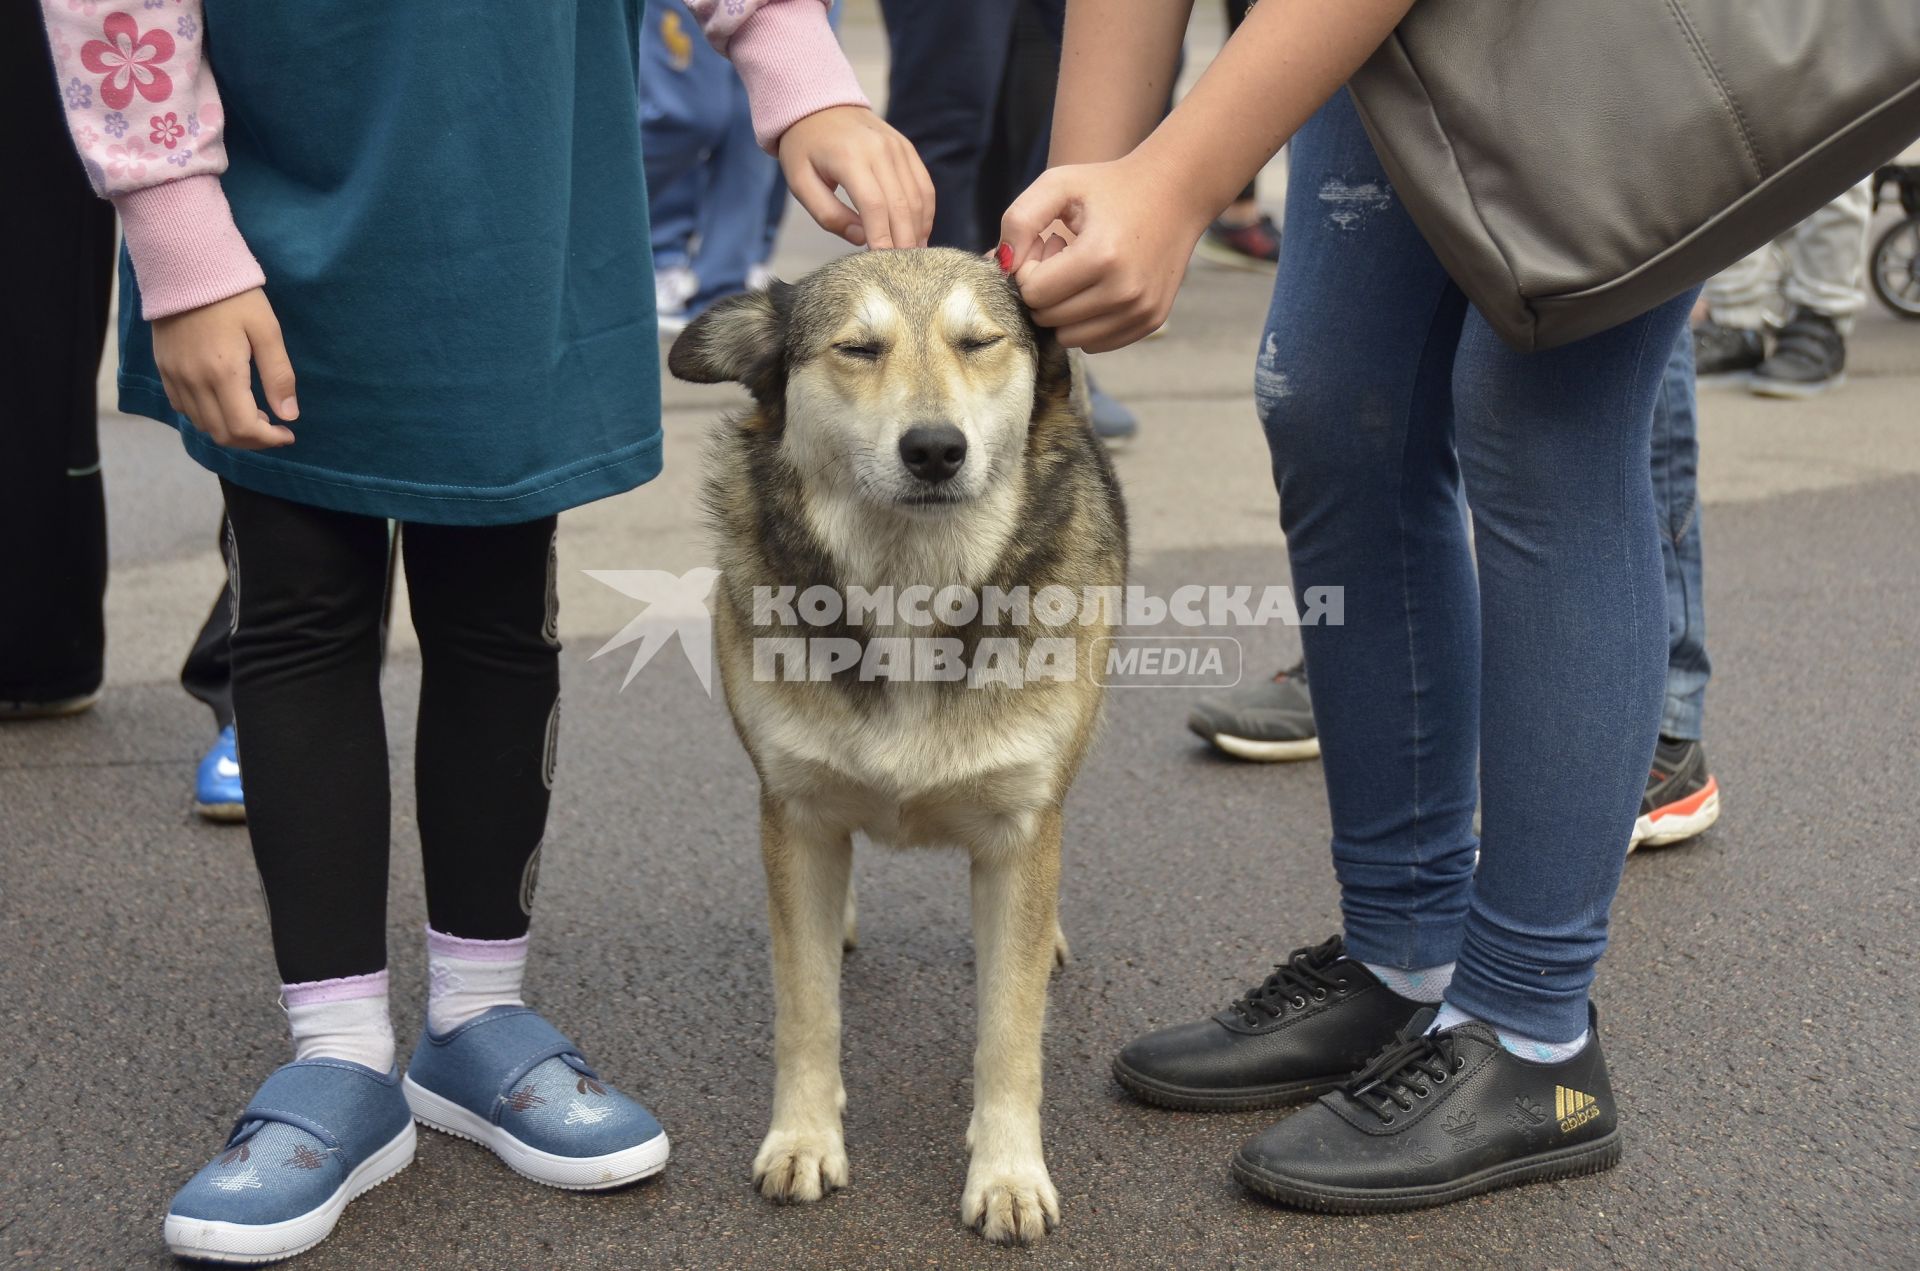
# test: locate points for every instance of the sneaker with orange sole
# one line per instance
(1682, 798)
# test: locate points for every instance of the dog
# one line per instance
(911, 427)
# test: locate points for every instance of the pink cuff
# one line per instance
(792, 66)
(345, 989)
(440, 944)
(186, 250)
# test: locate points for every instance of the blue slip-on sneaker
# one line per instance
(318, 1133)
(514, 1084)
(216, 786)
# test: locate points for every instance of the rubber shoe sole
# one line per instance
(58, 709)
(1567, 1162)
(1789, 390)
(1680, 821)
(222, 813)
(1268, 751)
(1242, 1099)
(249, 1244)
(570, 1173)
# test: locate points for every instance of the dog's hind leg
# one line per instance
(850, 925)
(804, 1155)
(1016, 885)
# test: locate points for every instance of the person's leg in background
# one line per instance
(684, 115)
(740, 180)
(1242, 236)
(1824, 285)
(761, 274)
(1682, 798)
(53, 632)
(1742, 300)
(943, 81)
(207, 676)
(673, 213)
(1020, 125)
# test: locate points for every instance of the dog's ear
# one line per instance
(1058, 383)
(742, 338)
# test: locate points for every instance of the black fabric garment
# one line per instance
(207, 674)
(944, 77)
(53, 516)
(310, 585)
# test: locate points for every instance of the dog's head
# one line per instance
(899, 378)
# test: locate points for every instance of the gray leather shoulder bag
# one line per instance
(1576, 162)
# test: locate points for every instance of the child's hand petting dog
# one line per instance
(1114, 281)
(854, 149)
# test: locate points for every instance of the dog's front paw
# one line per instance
(800, 1165)
(1010, 1206)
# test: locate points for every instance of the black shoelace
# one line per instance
(1306, 975)
(1404, 1071)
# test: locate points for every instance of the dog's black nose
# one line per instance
(933, 452)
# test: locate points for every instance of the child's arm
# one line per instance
(809, 110)
(1136, 207)
(146, 119)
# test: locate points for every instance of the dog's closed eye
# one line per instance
(860, 350)
(979, 343)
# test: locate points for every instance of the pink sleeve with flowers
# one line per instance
(787, 58)
(146, 119)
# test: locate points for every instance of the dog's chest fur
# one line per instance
(914, 763)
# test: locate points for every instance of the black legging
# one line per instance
(309, 585)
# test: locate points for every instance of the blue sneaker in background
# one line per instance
(318, 1133)
(513, 1083)
(216, 786)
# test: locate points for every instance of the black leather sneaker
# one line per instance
(1438, 1118)
(1307, 1028)
(1809, 357)
(1726, 354)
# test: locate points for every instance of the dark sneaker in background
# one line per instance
(1809, 357)
(1682, 798)
(1724, 354)
(1255, 245)
(1269, 722)
(1302, 1031)
(48, 708)
(1436, 1118)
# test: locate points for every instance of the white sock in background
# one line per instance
(467, 978)
(341, 1019)
(1426, 984)
(1526, 1047)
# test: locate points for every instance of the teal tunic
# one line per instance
(448, 203)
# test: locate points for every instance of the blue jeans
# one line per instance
(1534, 681)
(711, 189)
(1676, 494)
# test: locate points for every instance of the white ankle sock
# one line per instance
(1425, 984)
(1526, 1047)
(341, 1019)
(467, 978)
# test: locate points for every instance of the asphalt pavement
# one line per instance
(1759, 1001)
